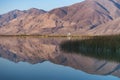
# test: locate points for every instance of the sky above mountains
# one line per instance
(8, 5)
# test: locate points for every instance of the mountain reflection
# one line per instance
(103, 48)
(38, 50)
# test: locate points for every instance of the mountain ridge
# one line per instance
(79, 18)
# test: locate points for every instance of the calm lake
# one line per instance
(33, 58)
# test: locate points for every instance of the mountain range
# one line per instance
(90, 17)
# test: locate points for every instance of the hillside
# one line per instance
(87, 17)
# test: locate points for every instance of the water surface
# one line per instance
(43, 59)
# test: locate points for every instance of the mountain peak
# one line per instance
(35, 11)
(104, 1)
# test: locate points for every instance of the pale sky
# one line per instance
(8, 5)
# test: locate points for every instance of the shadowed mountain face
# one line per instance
(6, 18)
(88, 17)
(38, 50)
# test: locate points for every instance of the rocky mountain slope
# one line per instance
(87, 17)
(5, 18)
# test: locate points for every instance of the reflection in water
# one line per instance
(103, 48)
(39, 50)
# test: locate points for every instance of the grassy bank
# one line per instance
(45, 36)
